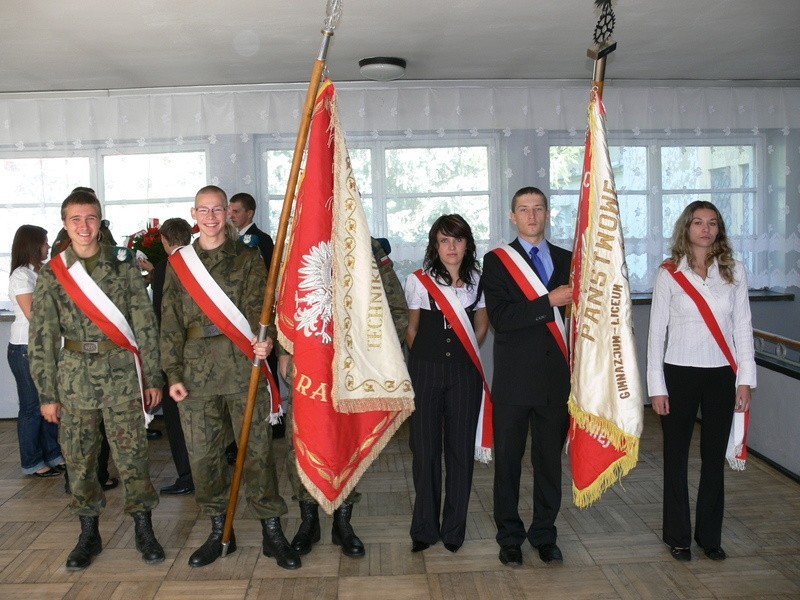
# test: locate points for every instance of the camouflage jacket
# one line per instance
(89, 381)
(212, 365)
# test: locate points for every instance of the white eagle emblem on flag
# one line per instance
(315, 306)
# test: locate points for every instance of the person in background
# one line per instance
(447, 384)
(175, 232)
(93, 298)
(39, 452)
(687, 368)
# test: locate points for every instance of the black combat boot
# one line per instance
(308, 533)
(212, 549)
(89, 545)
(276, 546)
(146, 541)
(342, 533)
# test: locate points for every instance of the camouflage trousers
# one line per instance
(299, 490)
(80, 439)
(203, 421)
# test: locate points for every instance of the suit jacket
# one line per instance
(157, 286)
(265, 244)
(529, 368)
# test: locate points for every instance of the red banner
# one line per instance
(351, 389)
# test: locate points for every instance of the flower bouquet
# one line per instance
(148, 242)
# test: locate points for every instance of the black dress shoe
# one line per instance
(176, 489)
(453, 547)
(550, 553)
(715, 553)
(511, 555)
(154, 434)
(681, 554)
(417, 546)
(50, 472)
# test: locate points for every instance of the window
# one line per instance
(133, 187)
(405, 187)
(140, 187)
(33, 189)
(655, 181)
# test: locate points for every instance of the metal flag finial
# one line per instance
(333, 12)
(603, 44)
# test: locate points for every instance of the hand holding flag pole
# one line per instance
(333, 14)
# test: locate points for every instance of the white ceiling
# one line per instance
(117, 44)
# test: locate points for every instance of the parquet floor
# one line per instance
(612, 550)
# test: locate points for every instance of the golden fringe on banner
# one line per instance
(623, 442)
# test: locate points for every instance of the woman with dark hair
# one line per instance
(699, 354)
(39, 452)
(447, 322)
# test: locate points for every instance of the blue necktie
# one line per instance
(538, 265)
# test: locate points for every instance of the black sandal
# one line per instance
(50, 472)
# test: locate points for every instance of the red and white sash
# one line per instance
(736, 452)
(457, 317)
(89, 298)
(216, 305)
(533, 288)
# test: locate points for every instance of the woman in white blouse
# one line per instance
(687, 368)
(447, 385)
(40, 454)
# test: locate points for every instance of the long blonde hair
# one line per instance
(720, 249)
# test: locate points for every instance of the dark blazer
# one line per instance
(157, 286)
(529, 368)
(265, 244)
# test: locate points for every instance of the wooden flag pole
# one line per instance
(334, 11)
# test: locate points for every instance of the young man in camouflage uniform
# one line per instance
(342, 532)
(92, 379)
(206, 372)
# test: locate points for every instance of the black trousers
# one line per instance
(177, 443)
(548, 426)
(713, 390)
(447, 404)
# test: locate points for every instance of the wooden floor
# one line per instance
(612, 550)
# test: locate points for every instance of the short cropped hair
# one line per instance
(247, 201)
(529, 190)
(176, 231)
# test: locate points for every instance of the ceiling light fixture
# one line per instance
(382, 68)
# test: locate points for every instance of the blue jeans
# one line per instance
(38, 439)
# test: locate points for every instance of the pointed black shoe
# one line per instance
(212, 549)
(146, 542)
(550, 553)
(89, 545)
(277, 546)
(511, 554)
(309, 532)
(342, 533)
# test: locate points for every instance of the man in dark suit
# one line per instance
(174, 234)
(241, 211)
(530, 386)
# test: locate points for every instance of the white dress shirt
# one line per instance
(22, 281)
(679, 334)
(417, 295)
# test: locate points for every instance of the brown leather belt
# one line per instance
(205, 331)
(89, 347)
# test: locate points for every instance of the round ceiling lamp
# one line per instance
(382, 68)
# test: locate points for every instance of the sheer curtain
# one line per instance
(523, 116)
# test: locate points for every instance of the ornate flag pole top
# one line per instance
(333, 14)
(603, 44)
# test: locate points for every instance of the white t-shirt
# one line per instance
(417, 295)
(22, 281)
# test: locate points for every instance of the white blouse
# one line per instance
(679, 334)
(417, 295)
(22, 281)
